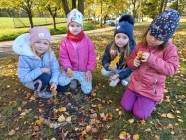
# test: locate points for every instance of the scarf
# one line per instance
(75, 38)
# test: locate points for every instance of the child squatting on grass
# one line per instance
(153, 60)
(118, 51)
(77, 55)
(38, 66)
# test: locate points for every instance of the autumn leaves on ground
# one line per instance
(73, 116)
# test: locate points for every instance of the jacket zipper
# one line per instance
(77, 54)
(154, 86)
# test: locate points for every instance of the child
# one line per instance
(38, 65)
(152, 60)
(120, 49)
(77, 55)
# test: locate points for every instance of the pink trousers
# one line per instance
(139, 105)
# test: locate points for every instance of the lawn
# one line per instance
(24, 117)
(11, 27)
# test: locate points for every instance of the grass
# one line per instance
(158, 126)
(9, 32)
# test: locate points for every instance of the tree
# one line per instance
(52, 6)
(65, 7)
(23, 5)
(81, 6)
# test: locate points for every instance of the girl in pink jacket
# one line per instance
(77, 55)
(153, 60)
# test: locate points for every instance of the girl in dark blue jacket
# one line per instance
(117, 52)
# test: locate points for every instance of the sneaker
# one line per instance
(113, 83)
(124, 82)
(73, 84)
(43, 94)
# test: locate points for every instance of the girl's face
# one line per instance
(41, 46)
(152, 41)
(121, 39)
(75, 28)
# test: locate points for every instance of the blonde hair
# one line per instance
(125, 50)
(49, 50)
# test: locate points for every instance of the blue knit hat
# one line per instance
(125, 25)
(164, 25)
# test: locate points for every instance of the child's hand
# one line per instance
(114, 77)
(69, 72)
(53, 87)
(137, 62)
(113, 68)
(45, 70)
(145, 57)
(88, 75)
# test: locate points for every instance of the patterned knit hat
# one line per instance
(76, 16)
(164, 25)
(38, 33)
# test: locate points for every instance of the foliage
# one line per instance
(99, 117)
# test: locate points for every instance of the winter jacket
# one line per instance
(79, 56)
(121, 65)
(29, 65)
(149, 78)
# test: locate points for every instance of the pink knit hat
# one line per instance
(38, 33)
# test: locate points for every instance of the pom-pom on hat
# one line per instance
(125, 25)
(76, 16)
(38, 33)
(164, 25)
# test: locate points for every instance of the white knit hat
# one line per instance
(76, 16)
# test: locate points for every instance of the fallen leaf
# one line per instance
(136, 137)
(12, 132)
(38, 122)
(61, 109)
(61, 118)
(170, 116)
(88, 128)
(131, 120)
(123, 135)
(142, 121)
(68, 119)
(83, 132)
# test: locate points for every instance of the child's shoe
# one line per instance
(124, 82)
(73, 84)
(113, 83)
(43, 94)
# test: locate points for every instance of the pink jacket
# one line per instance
(149, 79)
(79, 56)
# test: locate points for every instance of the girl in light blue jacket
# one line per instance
(38, 66)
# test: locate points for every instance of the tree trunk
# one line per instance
(161, 6)
(73, 4)
(54, 22)
(101, 13)
(65, 7)
(81, 6)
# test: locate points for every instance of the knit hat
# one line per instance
(76, 16)
(38, 33)
(125, 25)
(164, 25)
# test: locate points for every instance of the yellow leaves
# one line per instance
(116, 60)
(136, 137)
(61, 109)
(69, 72)
(143, 122)
(131, 120)
(139, 54)
(68, 119)
(38, 122)
(61, 118)
(83, 132)
(122, 135)
(54, 92)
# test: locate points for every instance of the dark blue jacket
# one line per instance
(124, 70)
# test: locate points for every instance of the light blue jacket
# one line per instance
(29, 66)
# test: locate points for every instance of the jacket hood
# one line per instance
(22, 46)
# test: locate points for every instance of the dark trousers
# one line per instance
(45, 78)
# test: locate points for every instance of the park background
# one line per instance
(101, 117)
